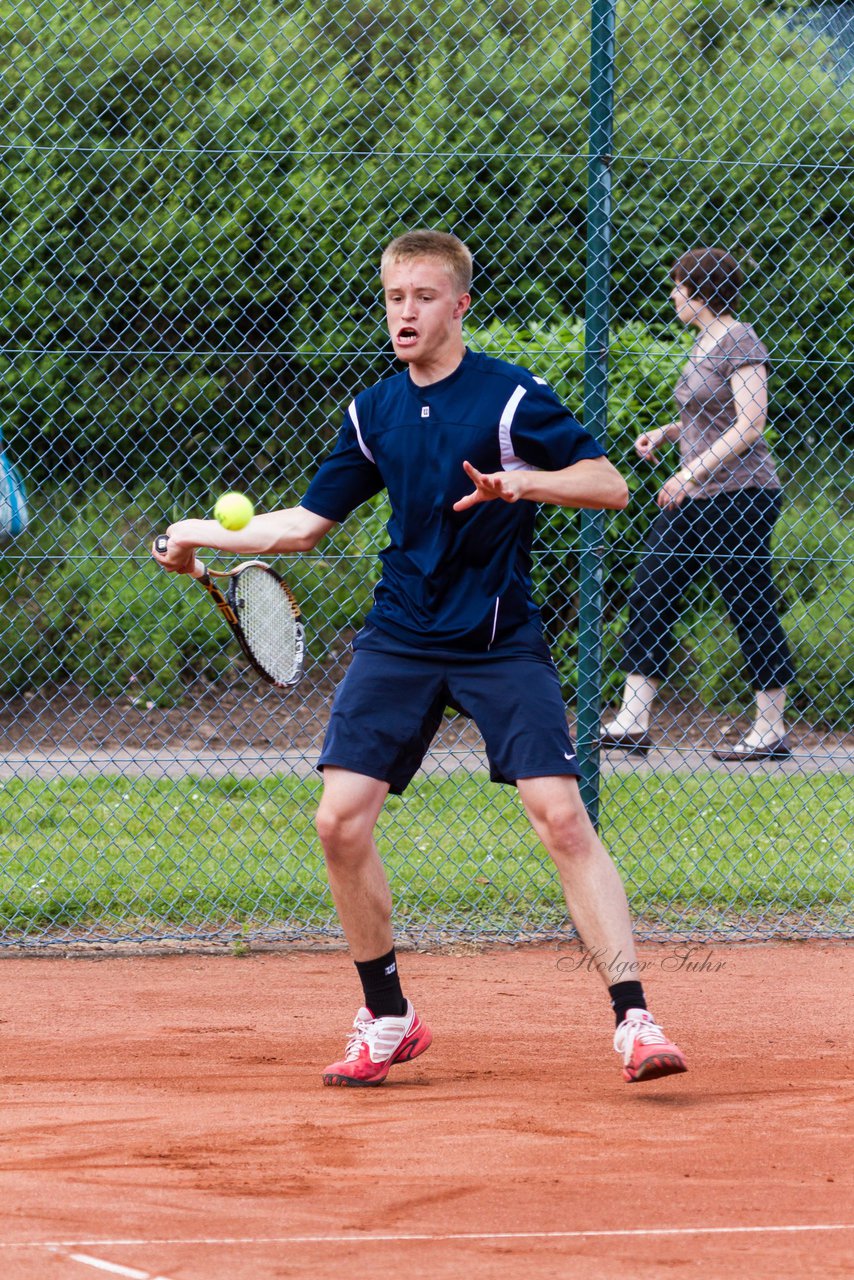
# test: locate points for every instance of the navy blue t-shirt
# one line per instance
(451, 580)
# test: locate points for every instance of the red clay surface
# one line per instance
(163, 1117)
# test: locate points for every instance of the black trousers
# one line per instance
(729, 537)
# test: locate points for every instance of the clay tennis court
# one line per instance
(163, 1117)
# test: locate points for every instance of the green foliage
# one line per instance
(99, 612)
(96, 610)
(742, 139)
(192, 208)
(819, 632)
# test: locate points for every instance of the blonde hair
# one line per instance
(448, 249)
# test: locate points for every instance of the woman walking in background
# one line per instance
(717, 512)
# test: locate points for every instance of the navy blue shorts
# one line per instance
(388, 707)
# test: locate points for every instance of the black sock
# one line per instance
(625, 996)
(381, 985)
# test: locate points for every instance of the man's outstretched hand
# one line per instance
(507, 485)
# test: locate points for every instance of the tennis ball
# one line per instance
(234, 511)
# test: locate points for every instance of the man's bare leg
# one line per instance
(591, 883)
(346, 819)
(597, 903)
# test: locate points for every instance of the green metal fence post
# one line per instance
(600, 132)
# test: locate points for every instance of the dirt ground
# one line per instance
(163, 1117)
(247, 713)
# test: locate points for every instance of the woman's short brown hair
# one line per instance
(712, 275)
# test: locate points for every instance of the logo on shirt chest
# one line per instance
(425, 411)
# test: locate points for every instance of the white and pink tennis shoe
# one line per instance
(375, 1044)
(647, 1053)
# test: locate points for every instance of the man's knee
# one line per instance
(569, 828)
(560, 817)
(341, 829)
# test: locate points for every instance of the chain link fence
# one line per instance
(194, 200)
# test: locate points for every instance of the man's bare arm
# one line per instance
(292, 529)
(593, 483)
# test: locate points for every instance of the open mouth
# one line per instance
(406, 336)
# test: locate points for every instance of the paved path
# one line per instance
(175, 763)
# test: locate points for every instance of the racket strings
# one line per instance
(269, 624)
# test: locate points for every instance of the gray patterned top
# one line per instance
(707, 409)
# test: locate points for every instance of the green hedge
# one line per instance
(94, 609)
(191, 211)
(191, 214)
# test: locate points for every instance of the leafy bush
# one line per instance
(191, 213)
(98, 612)
(191, 210)
(819, 632)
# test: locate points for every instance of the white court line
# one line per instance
(114, 1268)
(403, 1237)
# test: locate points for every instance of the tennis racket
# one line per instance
(263, 614)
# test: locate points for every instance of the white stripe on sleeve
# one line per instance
(354, 418)
(509, 461)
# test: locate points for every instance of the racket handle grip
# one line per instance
(161, 542)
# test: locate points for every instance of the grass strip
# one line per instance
(198, 851)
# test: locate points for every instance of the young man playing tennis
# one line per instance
(466, 446)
